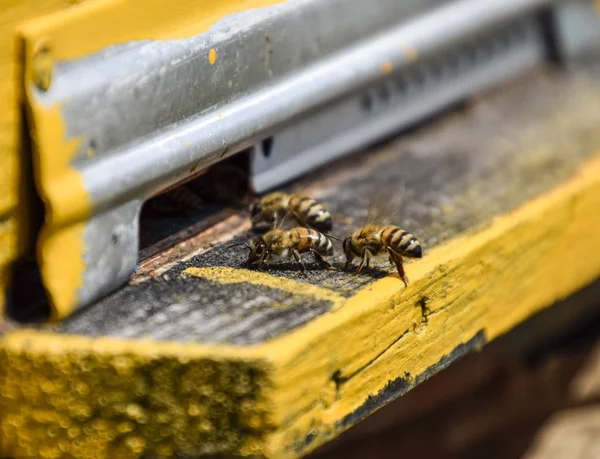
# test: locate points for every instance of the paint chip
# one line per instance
(387, 68)
(409, 52)
(212, 56)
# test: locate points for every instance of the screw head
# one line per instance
(42, 66)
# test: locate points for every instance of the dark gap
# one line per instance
(27, 300)
(193, 203)
(26, 297)
(548, 21)
(582, 315)
(267, 146)
(585, 337)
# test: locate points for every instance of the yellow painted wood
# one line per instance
(225, 276)
(73, 33)
(487, 281)
(306, 383)
(14, 225)
(102, 23)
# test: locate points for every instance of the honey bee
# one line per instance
(374, 239)
(282, 243)
(273, 207)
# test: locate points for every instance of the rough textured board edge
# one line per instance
(397, 388)
(376, 337)
(402, 384)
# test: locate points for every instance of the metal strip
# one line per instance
(148, 114)
(398, 101)
(167, 157)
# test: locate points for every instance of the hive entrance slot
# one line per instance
(176, 213)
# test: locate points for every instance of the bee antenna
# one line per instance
(331, 236)
(238, 244)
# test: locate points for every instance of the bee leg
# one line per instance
(297, 258)
(265, 259)
(349, 258)
(365, 261)
(396, 259)
(256, 219)
(319, 259)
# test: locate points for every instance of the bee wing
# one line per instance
(279, 224)
(385, 203)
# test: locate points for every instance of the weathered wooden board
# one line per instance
(490, 404)
(209, 358)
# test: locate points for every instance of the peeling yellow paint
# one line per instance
(387, 68)
(13, 190)
(226, 275)
(101, 23)
(409, 52)
(60, 243)
(486, 281)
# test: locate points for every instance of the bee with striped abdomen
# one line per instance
(273, 207)
(282, 243)
(375, 237)
(372, 240)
